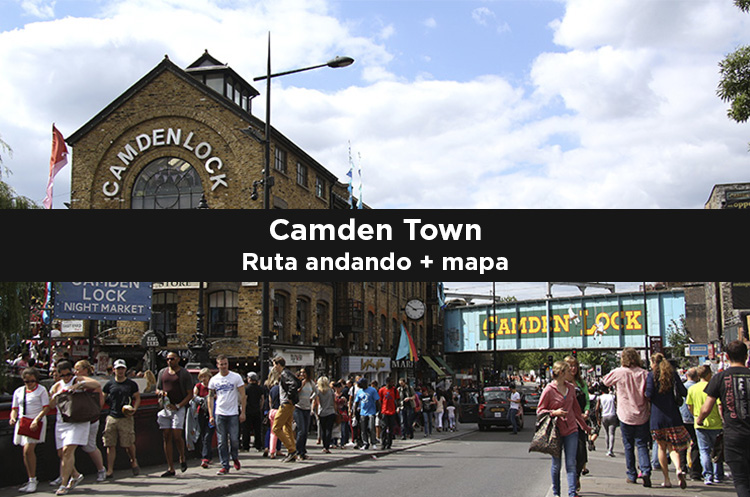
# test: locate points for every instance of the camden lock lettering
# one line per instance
(629, 320)
(162, 137)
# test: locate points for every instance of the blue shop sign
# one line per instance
(103, 300)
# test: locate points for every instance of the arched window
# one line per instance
(167, 183)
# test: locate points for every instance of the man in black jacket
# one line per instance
(288, 396)
(254, 414)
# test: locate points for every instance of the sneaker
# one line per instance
(73, 483)
(628, 480)
(204, 463)
(716, 481)
(29, 487)
(56, 482)
(101, 476)
(223, 471)
(291, 456)
(708, 481)
(236, 465)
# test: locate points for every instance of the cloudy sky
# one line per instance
(450, 104)
(531, 290)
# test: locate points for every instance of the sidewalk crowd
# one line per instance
(275, 416)
(699, 425)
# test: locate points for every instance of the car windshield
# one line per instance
(495, 395)
(534, 395)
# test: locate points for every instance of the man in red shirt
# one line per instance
(388, 397)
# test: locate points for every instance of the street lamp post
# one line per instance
(267, 182)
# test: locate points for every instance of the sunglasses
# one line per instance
(29, 381)
(66, 375)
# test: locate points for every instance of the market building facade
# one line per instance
(184, 138)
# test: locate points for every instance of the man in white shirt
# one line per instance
(226, 408)
(515, 408)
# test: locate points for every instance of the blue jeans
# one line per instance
(570, 449)
(427, 422)
(706, 441)
(367, 424)
(228, 435)
(302, 419)
(513, 418)
(636, 437)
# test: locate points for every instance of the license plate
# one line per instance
(498, 415)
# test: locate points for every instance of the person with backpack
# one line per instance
(288, 396)
(407, 401)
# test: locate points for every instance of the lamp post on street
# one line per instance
(267, 183)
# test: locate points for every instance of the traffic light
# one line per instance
(575, 352)
(550, 360)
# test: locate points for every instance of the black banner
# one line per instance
(372, 245)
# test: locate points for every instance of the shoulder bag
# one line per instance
(79, 406)
(24, 423)
(547, 438)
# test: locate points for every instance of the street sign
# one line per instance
(697, 349)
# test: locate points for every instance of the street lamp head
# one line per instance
(340, 62)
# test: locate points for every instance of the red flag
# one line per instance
(57, 161)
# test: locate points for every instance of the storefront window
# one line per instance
(167, 183)
(222, 314)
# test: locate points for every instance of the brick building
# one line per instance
(179, 136)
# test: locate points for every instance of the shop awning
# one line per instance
(444, 365)
(434, 366)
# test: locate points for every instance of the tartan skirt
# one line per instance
(677, 436)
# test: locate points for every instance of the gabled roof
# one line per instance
(164, 66)
(204, 62)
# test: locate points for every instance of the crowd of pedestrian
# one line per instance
(696, 423)
(274, 418)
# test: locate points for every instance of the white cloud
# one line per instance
(482, 15)
(430, 23)
(624, 114)
(38, 8)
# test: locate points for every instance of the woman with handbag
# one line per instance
(29, 416)
(667, 428)
(69, 434)
(558, 400)
(84, 370)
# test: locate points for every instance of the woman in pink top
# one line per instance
(559, 400)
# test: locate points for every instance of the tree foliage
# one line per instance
(15, 307)
(8, 197)
(678, 337)
(734, 86)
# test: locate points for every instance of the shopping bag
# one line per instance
(547, 438)
(79, 406)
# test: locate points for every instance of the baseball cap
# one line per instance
(120, 363)
(252, 375)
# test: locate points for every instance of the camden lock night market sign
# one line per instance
(162, 137)
(103, 300)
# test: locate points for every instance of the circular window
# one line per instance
(167, 183)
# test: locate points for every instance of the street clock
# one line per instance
(414, 309)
